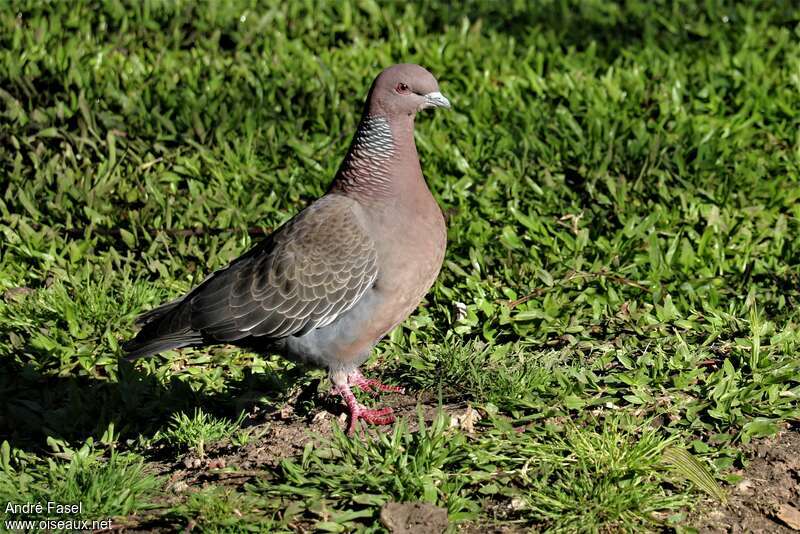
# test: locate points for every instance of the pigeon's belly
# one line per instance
(409, 269)
(342, 345)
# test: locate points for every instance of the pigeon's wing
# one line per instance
(306, 274)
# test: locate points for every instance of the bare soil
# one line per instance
(283, 434)
(767, 498)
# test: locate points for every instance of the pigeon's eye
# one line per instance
(402, 88)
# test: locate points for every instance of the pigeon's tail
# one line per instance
(139, 348)
(164, 328)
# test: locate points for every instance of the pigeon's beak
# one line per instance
(436, 100)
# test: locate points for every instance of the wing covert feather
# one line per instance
(303, 276)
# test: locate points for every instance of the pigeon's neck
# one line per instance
(382, 160)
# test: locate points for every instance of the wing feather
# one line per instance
(304, 276)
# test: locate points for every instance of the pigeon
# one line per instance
(327, 285)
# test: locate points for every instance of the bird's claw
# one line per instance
(372, 385)
(379, 416)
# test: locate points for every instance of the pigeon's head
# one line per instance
(404, 89)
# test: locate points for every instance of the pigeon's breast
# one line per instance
(410, 257)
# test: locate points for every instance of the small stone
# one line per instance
(413, 517)
(789, 515)
(16, 294)
(319, 417)
(744, 486)
(518, 503)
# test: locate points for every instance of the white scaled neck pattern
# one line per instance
(373, 139)
(366, 168)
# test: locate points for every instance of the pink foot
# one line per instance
(380, 416)
(371, 385)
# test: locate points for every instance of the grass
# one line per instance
(106, 485)
(611, 475)
(621, 282)
(195, 432)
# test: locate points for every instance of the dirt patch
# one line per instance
(768, 496)
(286, 435)
(282, 434)
(765, 500)
(413, 517)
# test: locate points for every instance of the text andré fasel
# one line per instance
(38, 507)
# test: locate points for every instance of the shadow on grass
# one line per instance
(73, 408)
(610, 27)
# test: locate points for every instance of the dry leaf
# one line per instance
(467, 421)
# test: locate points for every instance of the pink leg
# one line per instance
(381, 416)
(370, 385)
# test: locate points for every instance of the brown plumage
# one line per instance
(329, 284)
